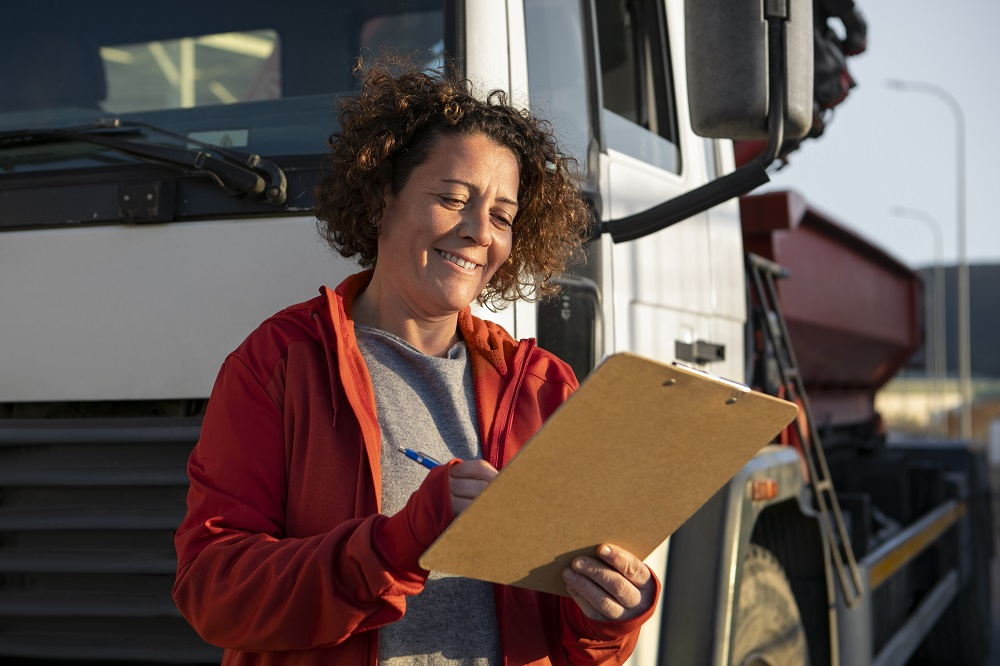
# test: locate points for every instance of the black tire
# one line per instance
(767, 629)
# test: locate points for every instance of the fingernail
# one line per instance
(568, 575)
(605, 551)
(578, 565)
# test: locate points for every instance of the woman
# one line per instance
(304, 521)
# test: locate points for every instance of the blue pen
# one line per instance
(421, 458)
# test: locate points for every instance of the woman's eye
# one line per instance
(454, 203)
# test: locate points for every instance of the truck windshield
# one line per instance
(261, 77)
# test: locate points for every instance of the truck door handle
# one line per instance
(699, 351)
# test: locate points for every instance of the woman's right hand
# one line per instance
(466, 480)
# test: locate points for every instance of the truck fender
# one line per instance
(705, 556)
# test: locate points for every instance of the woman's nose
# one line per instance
(477, 226)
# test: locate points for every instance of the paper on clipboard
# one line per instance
(626, 460)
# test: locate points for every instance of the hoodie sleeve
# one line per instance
(241, 584)
(591, 642)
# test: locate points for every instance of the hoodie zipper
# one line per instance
(500, 449)
(336, 388)
(369, 658)
(509, 398)
(328, 351)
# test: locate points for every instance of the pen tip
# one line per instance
(402, 449)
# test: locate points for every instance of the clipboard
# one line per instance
(636, 451)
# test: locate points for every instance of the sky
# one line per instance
(885, 149)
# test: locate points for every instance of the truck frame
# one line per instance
(155, 205)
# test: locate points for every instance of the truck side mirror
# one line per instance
(727, 67)
(742, 55)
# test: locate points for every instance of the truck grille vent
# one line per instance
(88, 508)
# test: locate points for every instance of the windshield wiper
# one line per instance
(235, 171)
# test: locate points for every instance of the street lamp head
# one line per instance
(895, 83)
(911, 212)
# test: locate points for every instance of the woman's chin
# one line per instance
(454, 298)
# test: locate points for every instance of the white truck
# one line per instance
(157, 162)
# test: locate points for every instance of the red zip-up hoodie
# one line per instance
(283, 556)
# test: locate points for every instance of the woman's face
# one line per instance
(448, 230)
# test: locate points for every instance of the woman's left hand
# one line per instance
(616, 585)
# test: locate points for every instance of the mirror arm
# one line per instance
(742, 180)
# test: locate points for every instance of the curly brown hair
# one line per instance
(390, 127)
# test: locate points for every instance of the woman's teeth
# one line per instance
(457, 260)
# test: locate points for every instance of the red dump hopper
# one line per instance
(851, 309)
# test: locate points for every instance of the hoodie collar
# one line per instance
(485, 338)
(496, 358)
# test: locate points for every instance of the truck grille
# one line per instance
(88, 508)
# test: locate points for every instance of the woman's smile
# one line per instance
(458, 261)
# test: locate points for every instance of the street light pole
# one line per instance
(964, 328)
(935, 316)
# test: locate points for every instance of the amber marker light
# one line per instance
(763, 489)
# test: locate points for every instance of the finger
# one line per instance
(585, 606)
(468, 488)
(593, 600)
(609, 581)
(458, 505)
(630, 566)
(464, 489)
(473, 469)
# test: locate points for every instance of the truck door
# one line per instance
(607, 75)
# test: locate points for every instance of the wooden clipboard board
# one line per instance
(626, 460)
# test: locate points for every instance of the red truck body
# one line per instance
(852, 310)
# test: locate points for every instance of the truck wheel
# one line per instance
(768, 629)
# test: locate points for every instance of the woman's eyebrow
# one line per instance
(474, 188)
